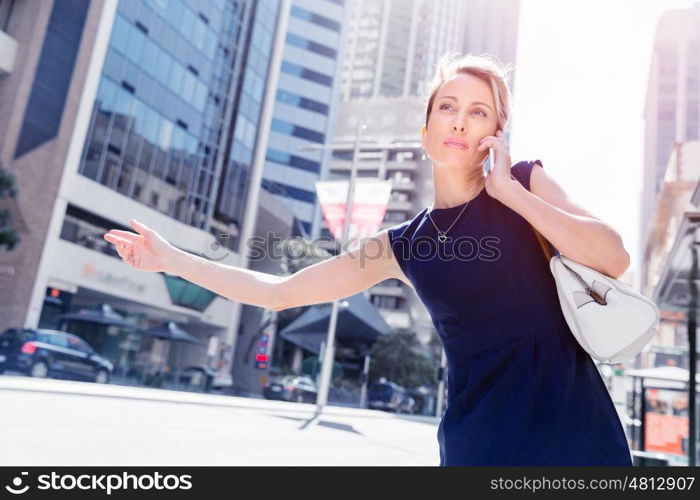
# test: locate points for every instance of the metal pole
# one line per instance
(441, 385)
(633, 431)
(642, 437)
(365, 376)
(692, 357)
(321, 353)
(329, 353)
(177, 370)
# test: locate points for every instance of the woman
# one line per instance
(521, 391)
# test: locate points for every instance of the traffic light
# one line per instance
(261, 358)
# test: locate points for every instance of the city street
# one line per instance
(207, 201)
(56, 422)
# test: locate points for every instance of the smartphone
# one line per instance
(488, 164)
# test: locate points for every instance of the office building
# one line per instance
(143, 109)
(305, 107)
(671, 110)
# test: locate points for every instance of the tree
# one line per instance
(400, 358)
(311, 366)
(8, 189)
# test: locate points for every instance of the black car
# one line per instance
(389, 396)
(299, 388)
(51, 353)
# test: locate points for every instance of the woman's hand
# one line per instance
(499, 180)
(145, 251)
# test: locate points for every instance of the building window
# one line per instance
(293, 161)
(49, 91)
(317, 48)
(297, 131)
(315, 18)
(289, 191)
(86, 229)
(314, 76)
(6, 13)
(382, 302)
(302, 102)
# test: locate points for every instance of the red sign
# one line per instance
(370, 198)
(665, 433)
(666, 421)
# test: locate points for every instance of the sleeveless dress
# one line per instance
(520, 389)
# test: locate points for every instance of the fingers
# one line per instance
(114, 239)
(124, 247)
(491, 141)
(140, 228)
(127, 235)
(119, 247)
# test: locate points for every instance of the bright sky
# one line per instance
(580, 85)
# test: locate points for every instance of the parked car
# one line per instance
(51, 353)
(199, 377)
(299, 388)
(389, 396)
(204, 378)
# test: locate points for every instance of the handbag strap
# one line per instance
(548, 255)
(545, 248)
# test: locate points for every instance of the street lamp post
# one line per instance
(329, 351)
(363, 389)
(441, 385)
(692, 355)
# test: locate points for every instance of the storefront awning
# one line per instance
(662, 373)
(672, 292)
(171, 331)
(102, 314)
(358, 322)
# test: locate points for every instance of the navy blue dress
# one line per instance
(520, 389)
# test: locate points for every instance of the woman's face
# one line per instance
(464, 111)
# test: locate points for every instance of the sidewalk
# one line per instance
(71, 423)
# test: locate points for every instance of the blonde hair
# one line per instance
(485, 66)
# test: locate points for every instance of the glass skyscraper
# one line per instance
(174, 121)
(169, 137)
(305, 105)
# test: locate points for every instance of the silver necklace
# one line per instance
(442, 235)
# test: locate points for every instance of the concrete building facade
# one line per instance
(115, 110)
(671, 110)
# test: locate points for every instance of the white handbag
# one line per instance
(612, 321)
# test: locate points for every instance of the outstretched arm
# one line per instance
(368, 262)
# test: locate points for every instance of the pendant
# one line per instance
(442, 237)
